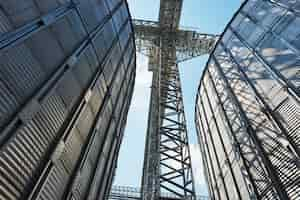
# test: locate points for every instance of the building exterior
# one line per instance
(247, 107)
(66, 81)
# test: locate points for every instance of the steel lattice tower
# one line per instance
(167, 161)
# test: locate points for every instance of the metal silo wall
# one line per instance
(248, 109)
(66, 81)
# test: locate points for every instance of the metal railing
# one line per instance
(127, 193)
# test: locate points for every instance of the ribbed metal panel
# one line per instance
(5, 25)
(21, 74)
(87, 170)
(248, 105)
(26, 66)
(55, 183)
(93, 13)
(86, 65)
(24, 154)
(8, 103)
(291, 119)
(60, 81)
(59, 175)
(21, 13)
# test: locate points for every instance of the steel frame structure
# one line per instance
(167, 161)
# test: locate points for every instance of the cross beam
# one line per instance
(188, 43)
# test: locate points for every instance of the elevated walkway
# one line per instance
(133, 193)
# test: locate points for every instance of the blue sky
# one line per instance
(209, 16)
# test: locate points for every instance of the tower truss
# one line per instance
(167, 160)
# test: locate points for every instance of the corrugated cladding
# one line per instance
(248, 105)
(66, 82)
